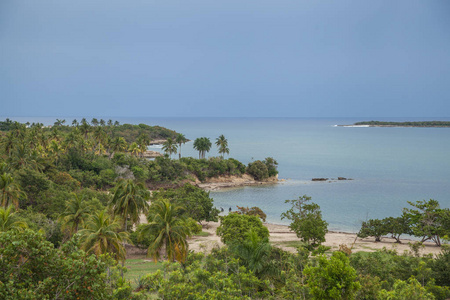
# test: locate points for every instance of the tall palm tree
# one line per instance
(202, 145)
(169, 147)
(130, 200)
(9, 191)
(75, 214)
(180, 139)
(143, 141)
(7, 220)
(168, 229)
(222, 144)
(134, 149)
(102, 235)
(118, 144)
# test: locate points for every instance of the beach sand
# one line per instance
(281, 236)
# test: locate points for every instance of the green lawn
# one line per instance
(140, 267)
(203, 233)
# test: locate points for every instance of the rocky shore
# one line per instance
(230, 181)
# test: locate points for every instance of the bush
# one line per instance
(234, 228)
(258, 170)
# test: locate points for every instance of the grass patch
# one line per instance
(292, 244)
(203, 233)
(140, 267)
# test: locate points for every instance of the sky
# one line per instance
(225, 58)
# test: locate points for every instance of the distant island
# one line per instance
(400, 124)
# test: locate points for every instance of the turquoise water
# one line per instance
(390, 166)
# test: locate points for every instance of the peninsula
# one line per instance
(400, 124)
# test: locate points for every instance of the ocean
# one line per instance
(389, 166)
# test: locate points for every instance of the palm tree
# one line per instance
(169, 147)
(143, 141)
(130, 200)
(202, 145)
(253, 252)
(222, 144)
(118, 145)
(134, 149)
(7, 220)
(168, 229)
(9, 191)
(8, 143)
(101, 235)
(85, 128)
(22, 158)
(76, 213)
(180, 139)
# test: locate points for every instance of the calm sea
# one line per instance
(389, 166)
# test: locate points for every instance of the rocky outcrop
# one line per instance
(229, 181)
(319, 179)
(151, 154)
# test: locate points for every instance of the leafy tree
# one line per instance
(373, 227)
(258, 170)
(167, 226)
(426, 219)
(180, 139)
(202, 145)
(102, 235)
(406, 290)
(254, 211)
(222, 144)
(397, 226)
(233, 228)
(32, 268)
(333, 278)
(306, 220)
(271, 165)
(8, 220)
(196, 202)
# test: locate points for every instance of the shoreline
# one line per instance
(281, 236)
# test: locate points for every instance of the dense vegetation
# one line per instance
(406, 124)
(70, 202)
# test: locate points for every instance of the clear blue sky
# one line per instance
(256, 58)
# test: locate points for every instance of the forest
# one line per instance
(74, 198)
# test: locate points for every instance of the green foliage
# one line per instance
(207, 278)
(258, 170)
(253, 252)
(306, 221)
(202, 145)
(31, 268)
(271, 165)
(407, 124)
(9, 221)
(388, 266)
(254, 211)
(167, 228)
(333, 278)
(373, 227)
(427, 219)
(406, 290)
(233, 228)
(196, 202)
(441, 267)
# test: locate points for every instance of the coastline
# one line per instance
(233, 181)
(282, 237)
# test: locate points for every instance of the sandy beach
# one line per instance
(281, 236)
